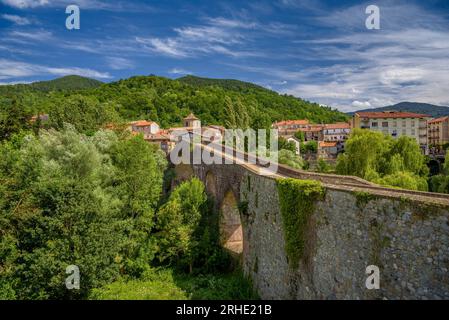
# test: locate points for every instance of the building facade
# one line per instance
(338, 132)
(438, 132)
(395, 124)
(289, 127)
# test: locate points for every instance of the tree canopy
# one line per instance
(380, 158)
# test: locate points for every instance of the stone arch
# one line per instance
(211, 186)
(434, 167)
(231, 231)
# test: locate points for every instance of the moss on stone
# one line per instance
(363, 198)
(297, 203)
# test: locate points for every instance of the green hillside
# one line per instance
(65, 83)
(229, 84)
(225, 102)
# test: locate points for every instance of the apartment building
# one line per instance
(438, 131)
(395, 124)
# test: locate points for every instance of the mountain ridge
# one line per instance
(416, 107)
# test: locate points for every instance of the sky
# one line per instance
(314, 49)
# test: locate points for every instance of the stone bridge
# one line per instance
(357, 224)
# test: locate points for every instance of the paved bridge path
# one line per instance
(331, 181)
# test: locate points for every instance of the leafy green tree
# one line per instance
(14, 117)
(323, 166)
(290, 159)
(178, 219)
(309, 147)
(300, 136)
(66, 200)
(378, 158)
(283, 144)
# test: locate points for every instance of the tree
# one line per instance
(66, 200)
(178, 219)
(300, 136)
(309, 147)
(14, 117)
(378, 158)
(323, 166)
(290, 159)
(283, 144)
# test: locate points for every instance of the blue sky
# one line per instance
(317, 50)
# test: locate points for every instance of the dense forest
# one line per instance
(88, 105)
(99, 202)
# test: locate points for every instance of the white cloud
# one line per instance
(118, 6)
(21, 21)
(39, 35)
(117, 63)
(179, 71)
(220, 35)
(407, 60)
(24, 4)
(170, 47)
(10, 69)
(361, 104)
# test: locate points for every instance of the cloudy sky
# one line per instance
(318, 50)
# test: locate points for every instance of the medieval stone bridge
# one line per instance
(358, 224)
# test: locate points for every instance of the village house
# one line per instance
(166, 139)
(296, 142)
(312, 132)
(338, 132)
(289, 127)
(145, 127)
(395, 124)
(328, 150)
(438, 133)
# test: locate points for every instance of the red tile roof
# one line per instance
(142, 123)
(442, 119)
(391, 114)
(324, 144)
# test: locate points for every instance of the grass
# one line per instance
(166, 284)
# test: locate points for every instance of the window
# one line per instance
(404, 132)
(413, 124)
(413, 132)
(404, 123)
(395, 124)
(384, 124)
(374, 124)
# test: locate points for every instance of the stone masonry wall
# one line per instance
(347, 232)
(409, 242)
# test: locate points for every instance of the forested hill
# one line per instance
(423, 108)
(165, 101)
(65, 83)
(228, 84)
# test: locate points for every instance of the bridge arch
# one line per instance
(230, 223)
